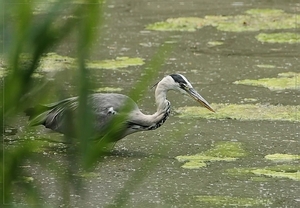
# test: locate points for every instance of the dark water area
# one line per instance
(212, 69)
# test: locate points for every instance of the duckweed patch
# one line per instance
(223, 151)
(266, 66)
(108, 89)
(282, 157)
(264, 12)
(47, 146)
(279, 171)
(250, 100)
(118, 63)
(233, 201)
(243, 112)
(215, 43)
(284, 81)
(277, 174)
(189, 24)
(52, 62)
(278, 37)
(252, 20)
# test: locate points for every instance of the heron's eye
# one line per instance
(182, 85)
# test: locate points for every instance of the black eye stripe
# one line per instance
(177, 78)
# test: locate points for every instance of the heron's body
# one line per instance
(105, 106)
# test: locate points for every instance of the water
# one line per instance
(212, 71)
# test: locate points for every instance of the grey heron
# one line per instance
(106, 106)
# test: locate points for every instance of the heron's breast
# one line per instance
(162, 121)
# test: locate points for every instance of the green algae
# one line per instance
(52, 62)
(226, 150)
(282, 157)
(230, 201)
(286, 37)
(288, 167)
(265, 12)
(284, 81)
(193, 162)
(252, 20)
(119, 62)
(189, 24)
(51, 147)
(288, 171)
(223, 151)
(243, 112)
(108, 89)
(259, 19)
(215, 43)
(250, 100)
(277, 174)
(266, 66)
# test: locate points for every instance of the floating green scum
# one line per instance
(231, 201)
(282, 157)
(251, 20)
(285, 168)
(287, 171)
(223, 151)
(54, 62)
(243, 112)
(283, 37)
(284, 81)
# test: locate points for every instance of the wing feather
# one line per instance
(102, 105)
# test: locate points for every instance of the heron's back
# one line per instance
(103, 107)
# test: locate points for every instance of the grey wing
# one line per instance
(56, 114)
(105, 106)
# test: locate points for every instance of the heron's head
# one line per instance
(181, 84)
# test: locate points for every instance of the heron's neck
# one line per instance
(161, 98)
(163, 108)
(151, 122)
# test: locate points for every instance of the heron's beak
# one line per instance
(194, 94)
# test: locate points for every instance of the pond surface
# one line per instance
(214, 61)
